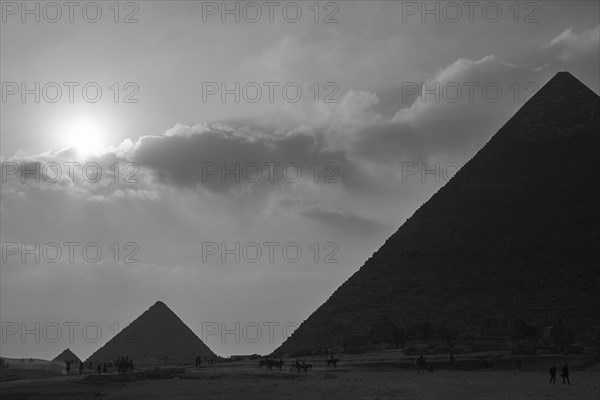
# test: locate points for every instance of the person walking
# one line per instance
(565, 374)
(552, 374)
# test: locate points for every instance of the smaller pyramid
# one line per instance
(67, 355)
(157, 334)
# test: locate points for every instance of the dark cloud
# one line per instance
(223, 159)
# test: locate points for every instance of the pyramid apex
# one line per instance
(565, 76)
(159, 306)
(67, 355)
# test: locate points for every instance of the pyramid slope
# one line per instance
(156, 334)
(67, 355)
(514, 234)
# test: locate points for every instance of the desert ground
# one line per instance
(357, 377)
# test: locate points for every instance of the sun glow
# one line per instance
(85, 134)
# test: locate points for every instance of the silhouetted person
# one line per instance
(121, 363)
(104, 368)
(452, 360)
(565, 373)
(99, 369)
(421, 364)
(552, 371)
(68, 363)
(80, 368)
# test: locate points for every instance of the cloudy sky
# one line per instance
(240, 170)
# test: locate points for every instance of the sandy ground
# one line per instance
(246, 382)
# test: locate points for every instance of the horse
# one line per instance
(305, 367)
(331, 361)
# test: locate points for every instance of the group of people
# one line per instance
(421, 364)
(124, 364)
(564, 374)
(270, 364)
(121, 364)
(209, 360)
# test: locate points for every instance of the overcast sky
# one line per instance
(352, 120)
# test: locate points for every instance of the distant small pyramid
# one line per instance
(507, 248)
(67, 355)
(156, 334)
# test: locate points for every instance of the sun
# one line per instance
(85, 134)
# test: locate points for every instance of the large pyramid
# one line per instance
(511, 254)
(157, 334)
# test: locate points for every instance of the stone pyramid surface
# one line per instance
(496, 249)
(156, 334)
